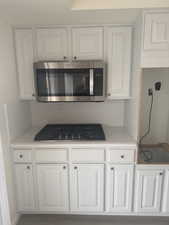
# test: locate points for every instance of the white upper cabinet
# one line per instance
(87, 43)
(155, 50)
(76, 43)
(118, 47)
(24, 58)
(25, 187)
(119, 189)
(53, 187)
(86, 187)
(52, 43)
(148, 191)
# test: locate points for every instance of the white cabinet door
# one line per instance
(25, 187)
(165, 205)
(155, 52)
(119, 61)
(24, 58)
(148, 190)
(87, 190)
(119, 190)
(156, 31)
(52, 43)
(87, 43)
(53, 187)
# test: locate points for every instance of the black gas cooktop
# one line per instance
(88, 132)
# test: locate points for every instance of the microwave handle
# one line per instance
(91, 82)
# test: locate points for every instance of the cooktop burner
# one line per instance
(71, 132)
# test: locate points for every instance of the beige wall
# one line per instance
(28, 13)
(120, 4)
(8, 82)
(110, 113)
(160, 113)
(14, 115)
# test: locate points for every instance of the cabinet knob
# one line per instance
(109, 94)
(75, 57)
(64, 57)
(28, 168)
(75, 167)
(112, 168)
(122, 156)
(21, 156)
(64, 167)
(161, 173)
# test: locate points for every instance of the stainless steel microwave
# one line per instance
(70, 81)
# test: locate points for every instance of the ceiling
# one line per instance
(50, 12)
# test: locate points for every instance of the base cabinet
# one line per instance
(148, 191)
(119, 193)
(53, 187)
(87, 187)
(73, 186)
(165, 207)
(24, 187)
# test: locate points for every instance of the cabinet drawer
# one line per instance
(51, 155)
(120, 156)
(21, 156)
(87, 154)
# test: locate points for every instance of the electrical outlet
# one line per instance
(150, 91)
(158, 86)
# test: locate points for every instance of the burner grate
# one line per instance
(71, 132)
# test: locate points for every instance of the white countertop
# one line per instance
(116, 136)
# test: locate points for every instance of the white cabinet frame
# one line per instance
(90, 176)
(75, 43)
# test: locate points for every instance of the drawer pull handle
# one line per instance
(64, 167)
(122, 156)
(28, 167)
(21, 156)
(75, 167)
